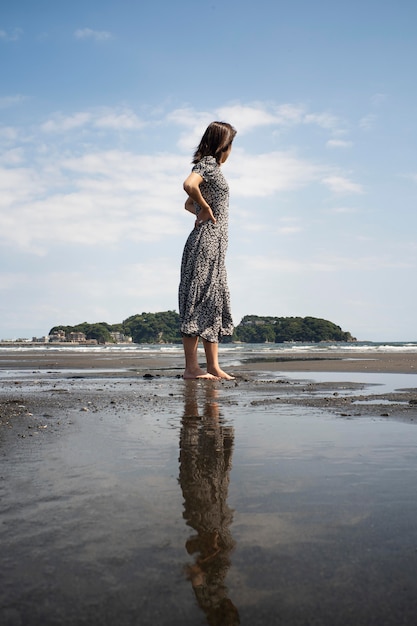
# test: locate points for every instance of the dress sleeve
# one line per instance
(206, 168)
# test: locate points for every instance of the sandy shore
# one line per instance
(338, 361)
(405, 363)
(256, 378)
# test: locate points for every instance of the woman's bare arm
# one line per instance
(192, 187)
(189, 205)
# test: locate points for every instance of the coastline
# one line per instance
(336, 360)
(332, 381)
(340, 361)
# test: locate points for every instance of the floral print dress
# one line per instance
(204, 299)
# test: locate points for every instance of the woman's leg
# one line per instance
(192, 368)
(212, 357)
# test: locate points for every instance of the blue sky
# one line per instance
(102, 104)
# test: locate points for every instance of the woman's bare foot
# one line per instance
(199, 373)
(219, 373)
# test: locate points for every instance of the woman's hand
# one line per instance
(205, 215)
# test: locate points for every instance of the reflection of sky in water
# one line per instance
(323, 513)
(331, 495)
(30, 374)
(387, 382)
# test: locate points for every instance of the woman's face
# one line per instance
(225, 154)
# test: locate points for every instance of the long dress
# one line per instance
(204, 298)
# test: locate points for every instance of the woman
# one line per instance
(204, 300)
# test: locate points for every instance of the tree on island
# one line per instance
(256, 329)
(99, 331)
(154, 327)
(163, 327)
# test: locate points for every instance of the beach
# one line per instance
(131, 496)
(338, 359)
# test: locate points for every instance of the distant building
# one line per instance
(44, 339)
(120, 337)
(77, 337)
(57, 335)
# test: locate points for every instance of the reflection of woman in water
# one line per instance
(205, 462)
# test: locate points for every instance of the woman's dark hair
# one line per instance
(216, 139)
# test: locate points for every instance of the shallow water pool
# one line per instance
(185, 504)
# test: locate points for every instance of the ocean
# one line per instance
(266, 349)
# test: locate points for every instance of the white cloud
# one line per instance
(265, 174)
(289, 230)
(12, 35)
(11, 280)
(8, 134)
(78, 193)
(152, 278)
(124, 120)
(324, 120)
(290, 113)
(102, 118)
(11, 101)
(243, 117)
(61, 124)
(343, 210)
(18, 185)
(412, 177)
(275, 265)
(96, 199)
(338, 143)
(65, 195)
(249, 222)
(89, 33)
(194, 122)
(296, 281)
(15, 156)
(378, 99)
(340, 184)
(368, 122)
(189, 118)
(246, 118)
(147, 279)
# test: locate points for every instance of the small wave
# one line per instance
(231, 349)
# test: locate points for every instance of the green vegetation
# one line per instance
(154, 327)
(100, 331)
(164, 328)
(255, 329)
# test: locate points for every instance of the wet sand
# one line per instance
(130, 496)
(337, 361)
